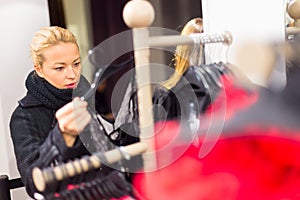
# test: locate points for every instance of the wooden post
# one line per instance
(139, 14)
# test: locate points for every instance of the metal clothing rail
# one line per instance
(193, 39)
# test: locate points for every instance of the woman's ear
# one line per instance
(38, 70)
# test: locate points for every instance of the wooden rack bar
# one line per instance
(43, 177)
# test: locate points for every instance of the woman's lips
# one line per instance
(71, 85)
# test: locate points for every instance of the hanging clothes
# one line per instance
(255, 157)
(195, 87)
(113, 186)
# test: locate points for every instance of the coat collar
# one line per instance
(29, 101)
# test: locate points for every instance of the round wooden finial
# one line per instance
(293, 10)
(138, 13)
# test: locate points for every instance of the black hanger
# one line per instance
(78, 193)
(109, 188)
(92, 190)
(102, 73)
(66, 195)
(214, 75)
(86, 192)
(98, 188)
(200, 73)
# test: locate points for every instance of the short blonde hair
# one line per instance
(48, 37)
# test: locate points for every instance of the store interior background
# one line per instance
(93, 21)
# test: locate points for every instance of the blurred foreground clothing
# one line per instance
(255, 156)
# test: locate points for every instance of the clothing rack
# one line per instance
(112, 185)
(44, 177)
(142, 42)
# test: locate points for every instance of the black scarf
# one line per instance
(46, 93)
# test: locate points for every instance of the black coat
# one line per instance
(37, 140)
(196, 89)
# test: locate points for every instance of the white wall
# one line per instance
(19, 20)
(247, 20)
(78, 20)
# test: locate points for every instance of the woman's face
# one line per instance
(61, 66)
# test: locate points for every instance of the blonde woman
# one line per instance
(186, 55)
(184, 94)
(46, 125)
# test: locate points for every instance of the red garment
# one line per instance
(258, 164)
(231, 99)
(252, 162)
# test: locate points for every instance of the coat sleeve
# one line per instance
(33, 149)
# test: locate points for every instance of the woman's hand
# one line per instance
(72, 119)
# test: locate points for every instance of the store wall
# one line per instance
(19, 20)
(255, 20)
(78, 20)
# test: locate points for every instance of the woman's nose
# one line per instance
(71, 73)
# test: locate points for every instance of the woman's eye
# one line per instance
(77, 64)
(59, 68)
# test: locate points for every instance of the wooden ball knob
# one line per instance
(138, 13)
(294, 9)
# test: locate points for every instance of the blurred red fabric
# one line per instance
(251, 162)
(260, 164)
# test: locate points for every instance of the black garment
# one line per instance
(36, 137)
(190, 96)
(124, 130)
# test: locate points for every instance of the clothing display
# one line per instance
(191, 97)
(196, 87)
(211, 133)
(254, 154)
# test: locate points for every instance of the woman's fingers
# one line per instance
(82, 120)
(73, 117)
(69, 108)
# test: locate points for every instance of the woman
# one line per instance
(46, 125)
(196, 90)
(184, 53)
(183, 94)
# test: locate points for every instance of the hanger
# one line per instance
(214, 74)
(91, 189)
(86, 192)
(102, 73)
(97, 190)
